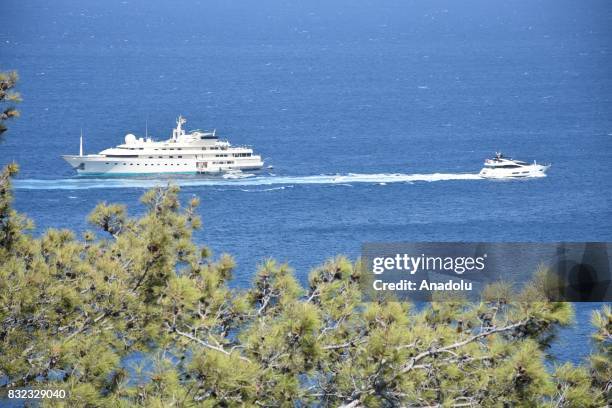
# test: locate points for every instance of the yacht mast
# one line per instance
(178, 131)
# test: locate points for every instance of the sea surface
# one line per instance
(375, 115)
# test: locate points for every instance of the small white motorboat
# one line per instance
(505, 167)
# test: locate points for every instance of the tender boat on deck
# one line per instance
(505, 167)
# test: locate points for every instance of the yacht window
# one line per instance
(180, 157)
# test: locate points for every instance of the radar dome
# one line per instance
(130, 138)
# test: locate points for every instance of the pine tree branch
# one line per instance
(344, 345)
(454, 346)
(208, 345)
(352, 404)
(87, 324)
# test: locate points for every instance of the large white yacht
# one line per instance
(188, 153)
(505, 167)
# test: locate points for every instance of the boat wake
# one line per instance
(86, 183)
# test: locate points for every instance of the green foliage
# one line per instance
(11, 223)
(8, 97)
(574, 387)
(601, 361)
(74, 314)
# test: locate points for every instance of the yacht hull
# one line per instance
(101, 165)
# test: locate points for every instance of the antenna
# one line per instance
(147, 128)
(81, 144)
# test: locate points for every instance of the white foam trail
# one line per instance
(237, 175)
(263, 190)
(86, 183)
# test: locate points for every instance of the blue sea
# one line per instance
(376, 115)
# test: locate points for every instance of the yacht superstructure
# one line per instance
(188, 153)
(505, 167)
